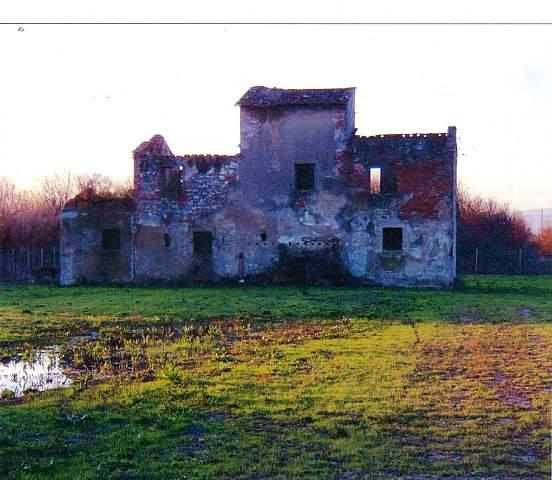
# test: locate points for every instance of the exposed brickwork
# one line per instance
(418, 167)
(204, 180)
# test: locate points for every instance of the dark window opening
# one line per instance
(171, 183)
(167, 240)
(164, 179)
(393, 238)
(388, 181)
(176, 186)
(203, 244)
(111, 239)
(304, 176)
(375, 180)
(241, 265)
(263, 237)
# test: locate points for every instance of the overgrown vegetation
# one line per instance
(543, 242)
(496, 232)
(30, 217)
(343, 383)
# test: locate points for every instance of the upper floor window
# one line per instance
(375, 180)
(176, 186)
(304, 176)
(172, 183)
(393, 238)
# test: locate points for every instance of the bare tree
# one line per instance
(27, 220)
(7, 203)
(30, 218)
(103, 185)
(7, 196)
(125, 187)
(57, 189)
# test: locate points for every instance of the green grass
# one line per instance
(285, 382)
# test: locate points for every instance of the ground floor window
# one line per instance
(203, 244)
(111, 239)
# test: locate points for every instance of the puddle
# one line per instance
(43, 373)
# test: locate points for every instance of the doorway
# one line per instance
(203, 253)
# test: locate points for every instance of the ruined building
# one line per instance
(306, 200)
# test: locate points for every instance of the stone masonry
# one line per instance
(305, 200)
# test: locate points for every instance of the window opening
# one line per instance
(111, 239)
(304, 176)
(171, 183)
(203, 244)
(375, 180)
(241, 265)
(393, 238)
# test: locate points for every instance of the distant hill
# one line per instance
(533, 218)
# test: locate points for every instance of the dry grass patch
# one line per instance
(483, 392)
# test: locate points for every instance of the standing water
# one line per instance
(42, 373)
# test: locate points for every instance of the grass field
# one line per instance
(284, 382)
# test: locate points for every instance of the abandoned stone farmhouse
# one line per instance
(306, 199)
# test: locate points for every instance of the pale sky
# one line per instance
(82, 97)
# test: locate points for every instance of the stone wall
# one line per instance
(83, 258)
(178, 189)
(274, 140)
(256, 223)
(418, 195)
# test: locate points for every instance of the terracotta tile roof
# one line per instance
(156, 146)
(271, 97)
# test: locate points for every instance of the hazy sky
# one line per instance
(83, 97)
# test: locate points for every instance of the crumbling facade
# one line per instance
(305, 200)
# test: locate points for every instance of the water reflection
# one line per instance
(42, 373)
